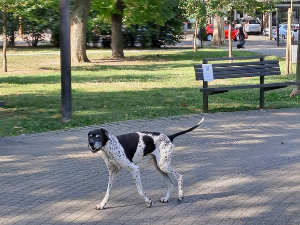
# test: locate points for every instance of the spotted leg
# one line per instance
(136, 176)
(169, 170)
(165, 166)
(112, 170)
(169, 181)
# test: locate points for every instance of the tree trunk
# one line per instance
(35, 39)
(296, 89)
(79, 19)
(12, 39)
(229, 34)
(218, 35)
(20, 27)
(229, 39)
(4, 42)
(116, 31)
(288, 49)
(195, 35)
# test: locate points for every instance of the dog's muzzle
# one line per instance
(94, 146)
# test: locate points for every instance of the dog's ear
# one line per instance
(105, 132)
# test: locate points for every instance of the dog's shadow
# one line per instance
(187, 200)
(207, 197)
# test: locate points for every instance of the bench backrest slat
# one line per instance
(241, 69)
(269, 62)
(206, 60)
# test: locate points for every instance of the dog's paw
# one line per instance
(180, 199)
(164, 200)
(100, 206)
(180, 195)
(149, 203)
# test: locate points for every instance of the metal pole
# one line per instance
(277, 26)
(270, 26)
(65, 60)
(291, 53)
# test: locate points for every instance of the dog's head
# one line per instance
(97, 139)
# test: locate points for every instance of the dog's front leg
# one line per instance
(136, 176)
(112, 175)
(112, 170)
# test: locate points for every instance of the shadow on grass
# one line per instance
(126, 76)
(34, 113)
(101, 73)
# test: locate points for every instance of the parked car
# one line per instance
(138, 36)
(252, 25)
(283, 30)
(234, 32)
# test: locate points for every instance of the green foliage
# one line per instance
(137, 11)
(193, 8)
(202, 35)
(12, 6)
(140, 24)
(37, 16)
(225, 7)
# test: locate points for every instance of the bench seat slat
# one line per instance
(227, 88)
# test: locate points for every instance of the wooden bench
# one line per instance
(260, 68)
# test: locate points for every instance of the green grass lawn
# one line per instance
(146, 84)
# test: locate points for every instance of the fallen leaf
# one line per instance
(182, 104)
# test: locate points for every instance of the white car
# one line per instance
(252, 25)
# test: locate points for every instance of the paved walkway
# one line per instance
(255, 43)
(238, 168)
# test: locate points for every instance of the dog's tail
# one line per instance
(171, 137)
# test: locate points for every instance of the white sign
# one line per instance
(208, 74)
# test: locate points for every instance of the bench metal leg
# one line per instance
(205, 102)
(205, 97)
(262, 93)
(262, 98)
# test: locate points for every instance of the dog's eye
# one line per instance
(97, 136)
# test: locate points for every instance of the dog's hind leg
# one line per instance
(165, 166)
(168, 179)
(113, 171)
(168, 170)
(179, 181)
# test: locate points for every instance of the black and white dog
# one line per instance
(126, 150)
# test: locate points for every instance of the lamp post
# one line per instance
(65, 60)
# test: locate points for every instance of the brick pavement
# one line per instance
(238, 168)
